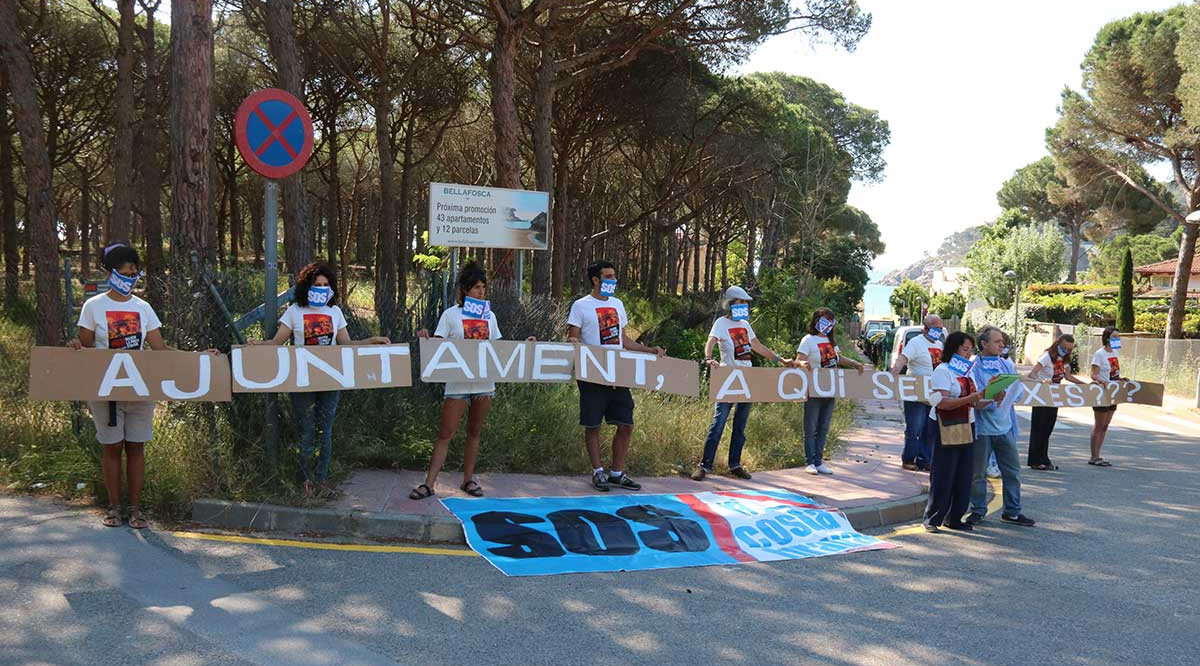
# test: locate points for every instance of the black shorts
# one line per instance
(612, 404)
(1101, 410)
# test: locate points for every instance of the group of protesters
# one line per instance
(952, 437)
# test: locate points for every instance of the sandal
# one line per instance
(136, 521)
(1045, 468)
(112, 517)
(471, 488)
(308, 489)
(420, 492)
(1100, 462)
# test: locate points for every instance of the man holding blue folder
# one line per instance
(995, 430)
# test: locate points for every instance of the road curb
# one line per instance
(438, 529)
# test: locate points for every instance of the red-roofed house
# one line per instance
(1162, 274)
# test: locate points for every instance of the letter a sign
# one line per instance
(274, 133)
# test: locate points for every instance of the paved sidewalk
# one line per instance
(868, 484)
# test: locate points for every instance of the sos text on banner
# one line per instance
(730, 384)
(58, 373)
(554, 535)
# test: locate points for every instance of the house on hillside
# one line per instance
(1161, 275)
(949, 279)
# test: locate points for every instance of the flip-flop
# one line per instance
(1100, 462)
(112, 517)
(472, 488)
(420, 492)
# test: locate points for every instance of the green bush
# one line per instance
(1034, 291)
(1078, 309)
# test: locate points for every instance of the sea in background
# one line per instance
(875, 298)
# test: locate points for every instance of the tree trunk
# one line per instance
(281, 35)
(194, 320)
(725, 265)
(151, 171)
(222, 223)
(558, 218)
(404, 240)
(8, 199)
(543, 156)
(85, 224)
(333, 224)
(505, 127)
(123, 120)
(751, 247)
(385, 267)
(1183, 274)
(1076, 241)
(235, 221)
(39, 211)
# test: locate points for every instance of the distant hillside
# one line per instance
(950, 253)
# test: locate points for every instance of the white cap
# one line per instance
(737, 292)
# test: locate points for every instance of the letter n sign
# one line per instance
(274, 133)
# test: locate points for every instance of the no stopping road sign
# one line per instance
(274, 133)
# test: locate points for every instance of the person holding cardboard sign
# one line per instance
(117, 319)
(1106, 368)
(819, 349)
(919, 356)
(734, 335)
(314, 319)
(954, 399)
(1052, 368)
(599, 319)
(471, 319)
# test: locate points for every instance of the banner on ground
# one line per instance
(474, 216)
(735, 384)
(553, 535)
(444, 360)
(290, 369)
(59, 373)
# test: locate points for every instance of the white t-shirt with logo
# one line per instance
(118, 324)
(600, 322)
(820, 351)
(313, 325)
(944, 379)
(1109, 364)
(923, 356)
(733, 337)
(1053, 369)
(453, 325)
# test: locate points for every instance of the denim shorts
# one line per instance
(469, 396)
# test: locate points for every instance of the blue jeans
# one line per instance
(324, 404)
(917, 447)
(741, 414)
(818, 412)
(1005, 448)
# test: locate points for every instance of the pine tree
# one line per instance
(1125, 295)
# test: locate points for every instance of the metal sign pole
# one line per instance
(270, 304)
(450, 298)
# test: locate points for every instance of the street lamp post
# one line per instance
(1012, 275)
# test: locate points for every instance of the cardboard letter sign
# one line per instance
(444, 360)
(289, 369)
(58, 373)
(613, 366)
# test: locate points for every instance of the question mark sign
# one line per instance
(1134, 387)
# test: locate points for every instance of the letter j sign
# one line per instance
(274, 133)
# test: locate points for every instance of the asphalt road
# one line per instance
(1109, 576)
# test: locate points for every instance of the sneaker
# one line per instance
(932, 529)
(624, 482)
(740, 472)
(811, 469)
(699, 474)
(824, 469)
(1018, 520)
(961, 527)
(910, 466)
(993, 472)
(974, 519)
(600, 481)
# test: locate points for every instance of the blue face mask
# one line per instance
(123, 284)
(1115, 343)
(825, 325)
(739, 312)
(959, 365)
(1062, 353)
(935, 334)
(608, 287)
(318, 296)
(476, 307)
(1006, 352)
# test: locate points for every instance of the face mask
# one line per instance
(959, 364)
(935, 334)
(1006, 352)
(608, 287)
(319, 296)
(123, 284)
(825, 325)
(476, 307)
(739, 312)
(1062, 353)
(1115, 343)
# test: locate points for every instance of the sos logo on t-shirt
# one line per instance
(475, 329)
(829, 355)
(318, 329)
(124, 329)
(935, 355)
(610, 326)
(741, 343)
(1114, 367)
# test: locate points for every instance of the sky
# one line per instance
(968, 89)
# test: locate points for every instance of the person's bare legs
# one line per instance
(1099, 431)
(591, 437)
(452, 409)
(111, 464)
(135, 476)
(620, 446)
(479, 410)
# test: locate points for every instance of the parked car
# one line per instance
(900, 337)
(872, 340)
